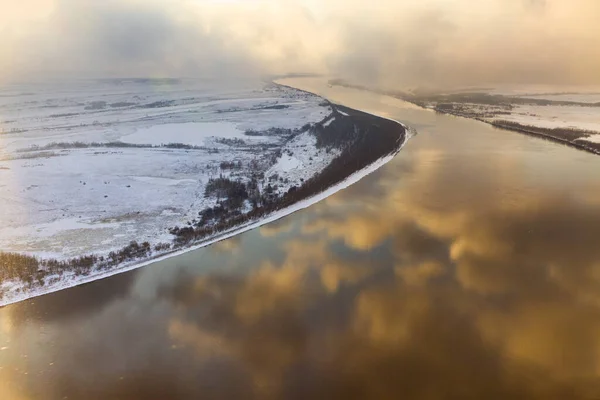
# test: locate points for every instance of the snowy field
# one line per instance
(68, 185)
(577, 117)
(577, 93)
(585, 115)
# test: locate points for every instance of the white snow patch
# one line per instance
(300, 161)
(49, 229)
(584, 118)
(593, 139)
(287, 163)
(189, 133)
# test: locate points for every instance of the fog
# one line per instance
(399, 43)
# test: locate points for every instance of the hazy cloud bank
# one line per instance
(404, 43)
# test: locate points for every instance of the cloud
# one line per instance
(539, 332)
(420, 274)
(128, 38)
(276, 228)
(66, 305)
(383, 337)
(409, 43)
(228, 246)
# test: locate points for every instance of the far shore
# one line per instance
(557, 135)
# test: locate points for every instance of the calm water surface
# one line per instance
(467, 268)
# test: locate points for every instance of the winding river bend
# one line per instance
(467, 267)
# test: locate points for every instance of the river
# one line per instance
(466, 268)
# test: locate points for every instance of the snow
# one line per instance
(287, 163)
(300, 161)
(52, 228)
(12, 296)
(593, 139)
(69, 202)
(585, 118)
(189, 133)
(99, 188)
(163, 181)
(57, 113)
(343, 113)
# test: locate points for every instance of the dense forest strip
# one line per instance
(360, 138)
(557, 135)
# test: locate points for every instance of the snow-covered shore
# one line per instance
(69, 282)
(572, 119)
(299, 161)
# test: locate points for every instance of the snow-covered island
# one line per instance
(567, 115)
(100, 177)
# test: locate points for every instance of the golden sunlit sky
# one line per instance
(404, 42)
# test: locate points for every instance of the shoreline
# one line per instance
(527, 132)
(574, 144)
(354, 177)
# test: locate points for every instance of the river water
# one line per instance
(466, 268)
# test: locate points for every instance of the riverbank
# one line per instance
(540, 133)
(499, 110)
(313, 191)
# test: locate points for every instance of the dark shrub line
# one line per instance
(566, 136)
(117, 144)
(31, 270)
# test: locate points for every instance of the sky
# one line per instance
(384, 42)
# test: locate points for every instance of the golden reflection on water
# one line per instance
(443, 276)
(480, 297)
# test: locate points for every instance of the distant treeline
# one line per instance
(467, 110)
(115, 144)
(281, 132)
(495, 100)
(567, 136)
(12, 130)
(422, 98)
(284, 132)
(361, 138)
